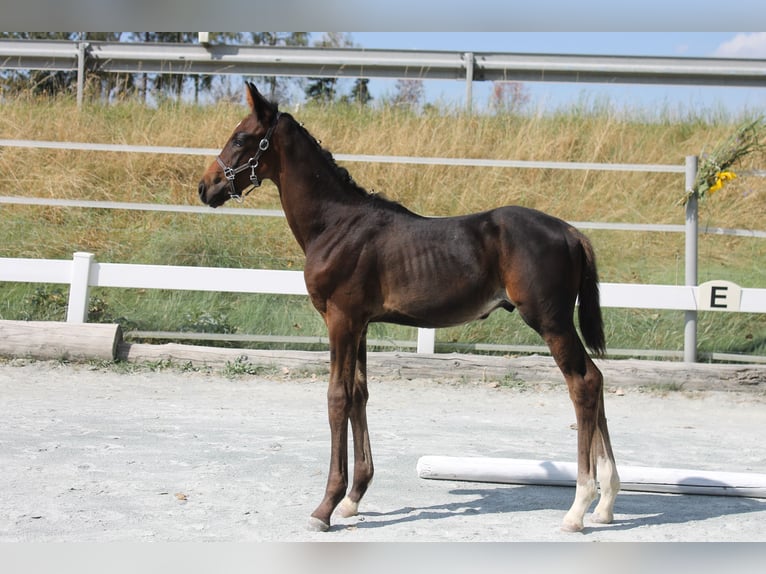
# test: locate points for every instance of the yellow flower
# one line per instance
(720, 178)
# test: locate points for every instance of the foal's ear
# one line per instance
(261, 107)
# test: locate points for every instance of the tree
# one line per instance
(278, 88)
(173, 85)
(360, 93)
(169, 85)
(409, 94)
(508, 97)
(323, 90)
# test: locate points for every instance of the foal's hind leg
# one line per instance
(363, 467)
(608, 479)
(594, 451)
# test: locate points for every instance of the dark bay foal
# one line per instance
(369, 260)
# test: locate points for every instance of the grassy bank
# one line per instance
(579, 135)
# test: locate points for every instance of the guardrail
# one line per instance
(83, 272)
(220, 59)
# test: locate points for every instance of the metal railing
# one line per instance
(221, 59)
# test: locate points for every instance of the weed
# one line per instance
(206, 322)
(45, 304)
(241, 366)
(663, 389)
(512, 381)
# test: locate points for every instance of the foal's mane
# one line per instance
(374, 199)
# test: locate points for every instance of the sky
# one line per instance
(597, 27)
(734, 100)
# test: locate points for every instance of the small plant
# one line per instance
(512, 381)
(45, 304)
(205, 322)
(714, 168)
(663, 389)
(51, 303)
(241, 366)
(159, 366)
(98, 310)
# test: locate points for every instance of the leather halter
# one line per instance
(231, 172)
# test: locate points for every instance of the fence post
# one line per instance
(79, 289)
(469, 65)
(81, 45)
(692, 224)
(426, 340)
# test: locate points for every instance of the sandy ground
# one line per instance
(93, 454)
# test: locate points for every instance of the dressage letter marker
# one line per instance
(719, 296)
(551, 473)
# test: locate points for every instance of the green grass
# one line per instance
(588, 134)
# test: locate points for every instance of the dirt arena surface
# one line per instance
(152, 452)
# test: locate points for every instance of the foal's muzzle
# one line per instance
(212, 194)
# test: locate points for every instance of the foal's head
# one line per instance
(245, 159)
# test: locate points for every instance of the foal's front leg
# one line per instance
(363, 467)
(343, 349)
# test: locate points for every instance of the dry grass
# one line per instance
(580, 136)
(599, 136)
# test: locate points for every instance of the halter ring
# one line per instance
(230, 173)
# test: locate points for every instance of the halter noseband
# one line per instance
(231, 172)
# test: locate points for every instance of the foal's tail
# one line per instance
(591, 322)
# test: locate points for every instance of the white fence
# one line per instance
(84, 272)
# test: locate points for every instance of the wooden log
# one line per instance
(219, 357)
(551, 473)
(53, 340)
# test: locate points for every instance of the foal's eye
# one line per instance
(239, 140)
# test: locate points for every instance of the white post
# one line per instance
(469, 64)
(692, 224)
(79, 288)
(426, 341)
(81, 45)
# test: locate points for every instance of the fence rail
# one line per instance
(83, 272)
(471, 162)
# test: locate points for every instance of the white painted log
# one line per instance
(551, 473)
(52, 340)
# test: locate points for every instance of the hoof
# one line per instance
(317, 525)
(568, 526)
(602, 518)
(348, 508)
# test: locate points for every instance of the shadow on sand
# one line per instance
(641, 509)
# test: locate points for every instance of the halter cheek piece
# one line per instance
(231, 172)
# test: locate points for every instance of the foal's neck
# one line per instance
(311, 186)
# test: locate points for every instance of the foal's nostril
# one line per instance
(202, 188)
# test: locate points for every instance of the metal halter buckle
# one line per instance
(230, 173)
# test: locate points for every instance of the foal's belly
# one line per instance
(439, 311)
